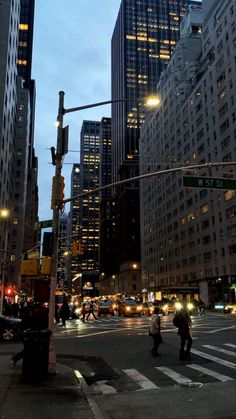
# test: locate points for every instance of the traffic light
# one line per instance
(9, 291)
(74, 248)
(46, 266)
(61, 192)
(53, 195)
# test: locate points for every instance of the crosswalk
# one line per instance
(206, 368)
(200, 325)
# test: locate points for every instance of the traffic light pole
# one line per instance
(55, 226)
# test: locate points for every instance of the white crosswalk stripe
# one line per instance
(140, 379)
(174, 375)
(231, 345)
(199, 374)
(214, 359)
(224, 351)
(206, 371)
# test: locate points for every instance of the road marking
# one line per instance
(103, 332)
(180, 379)
(215, 348)
(140, 379)
(224, 328)
(230, 344)
(97, 413)
(206, 371)
(214, 358)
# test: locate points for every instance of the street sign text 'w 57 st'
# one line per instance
(208, 183)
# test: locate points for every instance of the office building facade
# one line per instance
(9, 21)
(107, 238)
(188, 234)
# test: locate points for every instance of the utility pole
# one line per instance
(57, 161)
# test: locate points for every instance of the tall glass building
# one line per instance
(144, 38)
(89, 205)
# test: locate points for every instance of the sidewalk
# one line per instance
(59, 396)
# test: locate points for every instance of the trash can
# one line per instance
(35, 354)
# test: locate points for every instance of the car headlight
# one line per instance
(219, 306)
(139, 307)
(127, 308)
(151, 309)
(178, 306)
(227, 307)
(190, 306)
(165, 307)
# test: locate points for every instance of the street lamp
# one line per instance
(4, 214)
(57, 156)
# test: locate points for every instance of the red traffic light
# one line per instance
(9, 291)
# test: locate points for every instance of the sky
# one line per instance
(71, 52)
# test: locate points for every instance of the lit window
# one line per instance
(22, 62)
(229, 195)
(23, 26)
(204, 209)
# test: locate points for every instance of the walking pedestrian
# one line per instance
(155, 332)
(183, 321)
(64, 312)
(91, 311)
(83, 312)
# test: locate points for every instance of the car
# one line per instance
(10, 328)
(225, 307)
(105, 307)
(130, 307)
(148, 308)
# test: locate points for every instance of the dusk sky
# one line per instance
(72, 52)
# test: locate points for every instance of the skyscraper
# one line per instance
(144, 38)
(89, 205)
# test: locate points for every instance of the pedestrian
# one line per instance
(57, 316)
(83, 312)
(91, 310)
(183, 321)
(155, 332)
(64, 312)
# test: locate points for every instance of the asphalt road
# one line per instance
(112, 355)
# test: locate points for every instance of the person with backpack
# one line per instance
(155, 332)
(183, 322)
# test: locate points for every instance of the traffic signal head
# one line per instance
(9, 291)
(61, 192)
(74, 248)
(53, 196)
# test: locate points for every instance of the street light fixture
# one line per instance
(57, 156)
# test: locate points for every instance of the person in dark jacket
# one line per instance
(184, 331)
(64, 312)
(91, 311)
(155, 331)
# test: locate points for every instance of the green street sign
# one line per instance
(208, 183)
(45, 224)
